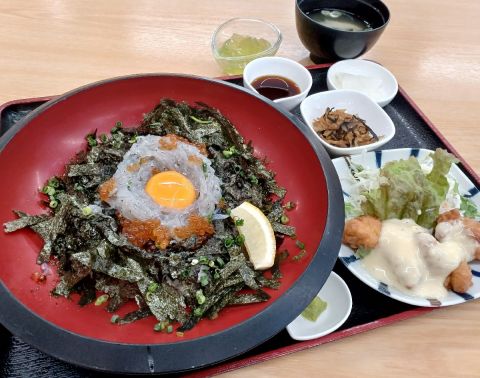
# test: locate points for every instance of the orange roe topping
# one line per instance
(222, 204)
(106, 189)
(195, 160)
(173, 139)
(197, 225)
(136, 166)
(140, 232)
(169, 142)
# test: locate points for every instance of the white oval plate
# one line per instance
(339, 305)
(377, 159)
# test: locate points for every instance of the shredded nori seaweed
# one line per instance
(84, 236)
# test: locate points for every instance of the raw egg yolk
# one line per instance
(171, 189)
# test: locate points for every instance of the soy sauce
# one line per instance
(275, 87)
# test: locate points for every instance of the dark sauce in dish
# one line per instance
(275, 87)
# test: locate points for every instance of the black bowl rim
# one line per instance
(383, 26)
(185, 355)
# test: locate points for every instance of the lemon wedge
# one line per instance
(258, 233)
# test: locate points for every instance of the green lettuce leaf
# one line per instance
(408, 192)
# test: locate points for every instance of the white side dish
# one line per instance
(405, 244)
(339, 305)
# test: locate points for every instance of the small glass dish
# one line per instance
(234, 39)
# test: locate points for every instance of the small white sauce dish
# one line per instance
(365, 76)
(284, 67)
(339, 305)
(355, 103)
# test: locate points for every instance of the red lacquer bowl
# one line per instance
(41, 144)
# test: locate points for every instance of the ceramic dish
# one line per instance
(367, 77)
(84, 336)
(339, 305)
(355, 103)
(376, 160)
(284, 67)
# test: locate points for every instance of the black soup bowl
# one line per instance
(327, 44)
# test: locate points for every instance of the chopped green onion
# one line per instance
(300, 256)
(228, 153)
(117, 126)
(239, 222)
(198, 120)
(149, 296)
(240, 239)
(170, 329)
(53, 204)
(228, 242)
(87, 210)
(283, 255)
(103, 138)
(198, 311)
(220, 262)
(284, 219)
(114, 319)
(78, 187)
(211, 264)
(153, 287)
(290, 205)
(160, 326)
(50, 191)
(53, 182)
(194, 261)
(253, 179)
(101, 300)
(133, 139)
(200, 297)
(91, 140)
(203, 260)
(299, 244)
(204, 280)
(204, 167)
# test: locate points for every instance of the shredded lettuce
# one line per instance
(408, 192)
(468, 208)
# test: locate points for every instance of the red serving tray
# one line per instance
(303, 345)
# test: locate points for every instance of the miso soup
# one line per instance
(339, 19)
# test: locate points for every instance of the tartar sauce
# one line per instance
(408, 258)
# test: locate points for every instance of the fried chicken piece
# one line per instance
(473, 226)
(450, 215)
(363, 232)
(460, 279)
(470, 224)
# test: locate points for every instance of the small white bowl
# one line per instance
(339, 305)
(367, 77)
(278, 66)
(355, 103)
